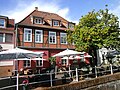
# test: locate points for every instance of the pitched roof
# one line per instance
(47, 17)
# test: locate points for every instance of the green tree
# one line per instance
(95, 30)
(52, 62)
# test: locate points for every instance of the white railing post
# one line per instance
(111, 69)
(51, 79)
(95, 72)
(76, 74)
(69, 71)
(17, 81)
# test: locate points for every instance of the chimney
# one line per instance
(36, 8)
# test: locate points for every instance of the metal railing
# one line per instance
(50, 78)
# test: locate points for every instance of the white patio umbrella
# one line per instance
(30, 59)
(65, 57)
(67, 53)
(89, 56)
(15, 54)
(78, 57)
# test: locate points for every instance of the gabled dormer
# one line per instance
(37, 20)
(55, 22)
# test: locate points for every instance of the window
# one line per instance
(39, 63)
(2, 37)
(38, 20)
(2, 23)
(71, 26)
(27, 35)
(64, 62)
(52, 37)
(38, 36)
(55, 23)
(63, 38)
(6, 37)
(27, 63)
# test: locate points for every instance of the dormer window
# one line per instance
(71, 26)
(2, 23)
(55, 23)
(38, 20)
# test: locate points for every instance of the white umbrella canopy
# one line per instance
(65, 57)
(67, 52)
(23, 59)
(17, 53)
(78, 57)
(89, 56)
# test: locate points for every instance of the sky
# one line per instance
(71, 10)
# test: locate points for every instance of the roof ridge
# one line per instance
(26, 17)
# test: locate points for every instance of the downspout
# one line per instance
(16, 39)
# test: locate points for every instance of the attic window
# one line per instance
(2, 23)
(38, 21)
(55, 23)
(71, 25)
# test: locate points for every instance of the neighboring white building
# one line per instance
(101, 55)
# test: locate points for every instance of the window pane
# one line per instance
(63, 39)
(39, 63)
(52, 37)
(28, 35)
(8, 38)
(26, 63)
(71, 26)
(38, 36)
(56, 23)
(1, 37)
(38, 20)
(2, 22)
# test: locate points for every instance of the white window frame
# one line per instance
(4, 23)
(71, 26)
(40, 37)
(36, 20)
(52, 36)
(39, 61)
(26, 36)
(63, 35)
(55, 23)
(26, 65)
(64, 62)
(3, 39)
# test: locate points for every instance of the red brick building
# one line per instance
(6, 42)
(42, 31)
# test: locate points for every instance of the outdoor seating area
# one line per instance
(75, 68)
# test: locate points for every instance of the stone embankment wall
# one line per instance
(108, 82)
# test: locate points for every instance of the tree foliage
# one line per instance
(96, 29)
